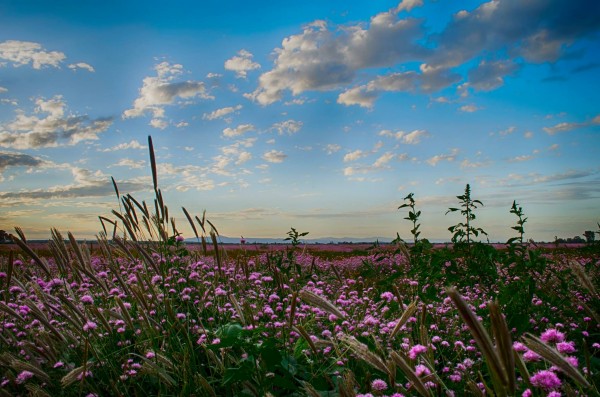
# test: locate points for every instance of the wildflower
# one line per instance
(552, 335)
(422, 370)
(379, 385)
(531, 356)
(59, 364)
(546, 380)
(416, 350)
(24, 376)
(387, 296)
(87, 299)
(565, 347)
(150, 354)
(527, 393)
(179, 238)
(90, 325)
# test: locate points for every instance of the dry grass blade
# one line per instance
(481, 337)
(408, 312)
(410, 374)
(362, 351)
(153, 163)
(320, 302)
(116, 188)
(189, 218)
(504, 345)
(293, 309)
(19, 366)
(300, 329)
(21, 234)
(555, 358)
(76, 374)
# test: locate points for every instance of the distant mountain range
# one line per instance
(322, 240)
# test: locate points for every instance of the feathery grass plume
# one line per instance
(10, 267)
(19, 365)
(552, 355)
(309, 389)
(59, 251)
(583, 278)
(20, 233)
(347, 384)
(205, 385)
(293, 309)
(313, 299)
(22, 243)
(521, 367)
(504, 344)
(483, 340)
(410, 374)
(76, 374)
(36, 391)
(475, 391)
(362, 351)
(408, 312)
(238, 309)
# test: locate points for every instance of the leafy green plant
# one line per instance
(518, 211)
(464, 232)
(294, 237)
(413, 216)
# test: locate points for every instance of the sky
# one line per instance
(317, 115)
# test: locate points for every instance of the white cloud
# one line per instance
(528, 135)
(162, 90)
(410, 138)
(159, 123)
(241, 64)
(409, 5)
(50, 127)
(469, 108)
(220, 113)
(3, 90)
(237, 131)
(133, 144)
(132, 164)
(566, 126)
(290, 127)
(488, 75)
(81, 65)
(22, 53)
(443, 157)
(332, 148)
(353, 156)
(274, 156)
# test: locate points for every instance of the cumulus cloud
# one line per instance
(274, 156)
(220, 113)
(49, 126)
(410, 138)
(322, 59)
(380, 163)
(241, 64)
(82, 65)
(162, 90)
(129, 163)
(21, 53)
(289, 126)
(469, 108)
(237, 131)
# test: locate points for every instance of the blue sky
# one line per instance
(317, 115)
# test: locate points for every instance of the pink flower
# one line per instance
(527, 393)
(552, 335)
(422, 370)
(546, 380)
(87, 299)
(379, 385)
(531, 356)
(90, 325)
(416, 350)
(565, 347)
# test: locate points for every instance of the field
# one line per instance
(140, 313)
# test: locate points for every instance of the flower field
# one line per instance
(141, 314)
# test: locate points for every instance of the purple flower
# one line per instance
(90, 325)
(87, 299)
(23, 376)
(546, 380)
(552, 335)
(527, 393)
(416, 350)
(565, 347)
(379, 385)
(179, 238)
